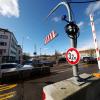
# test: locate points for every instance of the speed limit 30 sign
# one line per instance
(72, 56)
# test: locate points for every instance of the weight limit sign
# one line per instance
(72, 56)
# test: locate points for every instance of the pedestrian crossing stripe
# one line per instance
(7, 95)
(7, 87)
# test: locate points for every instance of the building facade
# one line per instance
(88, 53)
(85, 53)
(8, 46)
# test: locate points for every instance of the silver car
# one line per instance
(9, 69)
(14, 69)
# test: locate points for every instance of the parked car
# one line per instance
(14, 70)
(38, 67)
(47, 63)
(89, 60)
(9, 69)
(62, 60)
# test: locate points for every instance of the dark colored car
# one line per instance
(47, 63)
(89, 60)
(62, 60)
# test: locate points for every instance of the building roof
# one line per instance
(6, 30)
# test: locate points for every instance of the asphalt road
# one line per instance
(31, 88)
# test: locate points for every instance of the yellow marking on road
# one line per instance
(96, 75)
(87, 65)
(7, 87)
(3, 85)
(7, 95)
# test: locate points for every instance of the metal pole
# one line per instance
(40, 52)
(21, 60)
(73, 39)
(75, 67)
(73, 42)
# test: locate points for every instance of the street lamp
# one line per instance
(23, 47)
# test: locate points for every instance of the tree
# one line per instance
(26, 56)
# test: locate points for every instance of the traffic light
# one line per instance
(71, 29)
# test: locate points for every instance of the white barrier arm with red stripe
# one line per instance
(95, 40)
(50, 37)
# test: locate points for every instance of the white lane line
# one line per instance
(65, 70)
(61, 71)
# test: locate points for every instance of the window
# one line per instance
(12, 52)
(3, 43)
(19, 52)
(3, 37)
(2, 51)
(19, 66)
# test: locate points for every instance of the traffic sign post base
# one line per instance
(75, 81)
(82, 79)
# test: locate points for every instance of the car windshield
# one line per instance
(19, 66)
(8, 66)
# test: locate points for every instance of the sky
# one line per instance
(26, 19)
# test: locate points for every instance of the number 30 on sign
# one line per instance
(72, 56)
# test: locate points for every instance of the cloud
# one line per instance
(80, 24)
(9, 8)
(93, 7)
(27, 37)
(56, 19)
(45, 48)
(87, 44)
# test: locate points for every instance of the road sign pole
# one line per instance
(74, 45)
(75, 67)
(73, 40)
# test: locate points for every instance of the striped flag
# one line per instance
(50, 37)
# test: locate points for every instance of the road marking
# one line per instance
(61, 71)
(7, 95)
(80, 66)
(8, 87)
(64, 71)
(85, 65)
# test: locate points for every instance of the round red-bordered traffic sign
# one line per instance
(73, 56)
